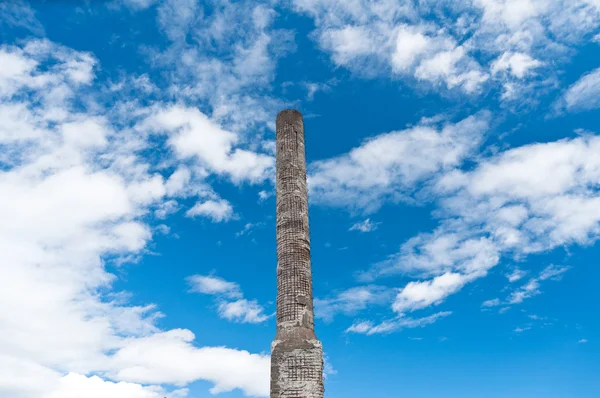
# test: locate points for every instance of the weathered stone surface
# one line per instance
(296, 354)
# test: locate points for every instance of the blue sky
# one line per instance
(454, 181)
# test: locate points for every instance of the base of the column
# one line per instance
(297, 369)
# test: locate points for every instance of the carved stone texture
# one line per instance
(296, 354)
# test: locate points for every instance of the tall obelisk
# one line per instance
(296, 354)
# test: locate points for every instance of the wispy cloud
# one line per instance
(352, 301)
(522, 329)
(249, 228)
(516, 275)
(135, 5)
(468, 47)
(388, 167)
(225, 59)
(394, 325)
(208, 284)
(584, 94)
(18, 13)
(231, 304)
(243, 311)
(217, 210)
(365, 226)
(529, 289)
(264, 195)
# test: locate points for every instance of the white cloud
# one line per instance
(264, 195)
(364, 226)
(74, 386)
(169, 357)
(351, 301)
(178, 181)
(242, 311)
(348, 43)
(416, 51)
(231, 304)
(585, 93)
(457, 46)
(410, 45)
(214, 285)
(417, 295)
(373, 39)
(163, 229)
(166, 208)
(389, 166)
(491, 303)
(453, 68)
(536, 317)
(312, 88)
(438, 253)
(328, 369)
(529, 289)
(512, 13)
(519, 329)
(516, 275)
(582, 341)
(225, 58)
(134, 4)
(553, 273)
(217, 210)
(552, 187)
(525, 200)
(193, 135)
(518, 64)
(368, 328)
(249, 228)
(17, 376)
(176, 16)
(19, 13)
(76, 196)
(20, 71)
(526, 291)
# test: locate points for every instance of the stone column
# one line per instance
(296, 354)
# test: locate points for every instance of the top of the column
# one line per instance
(289, 116)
